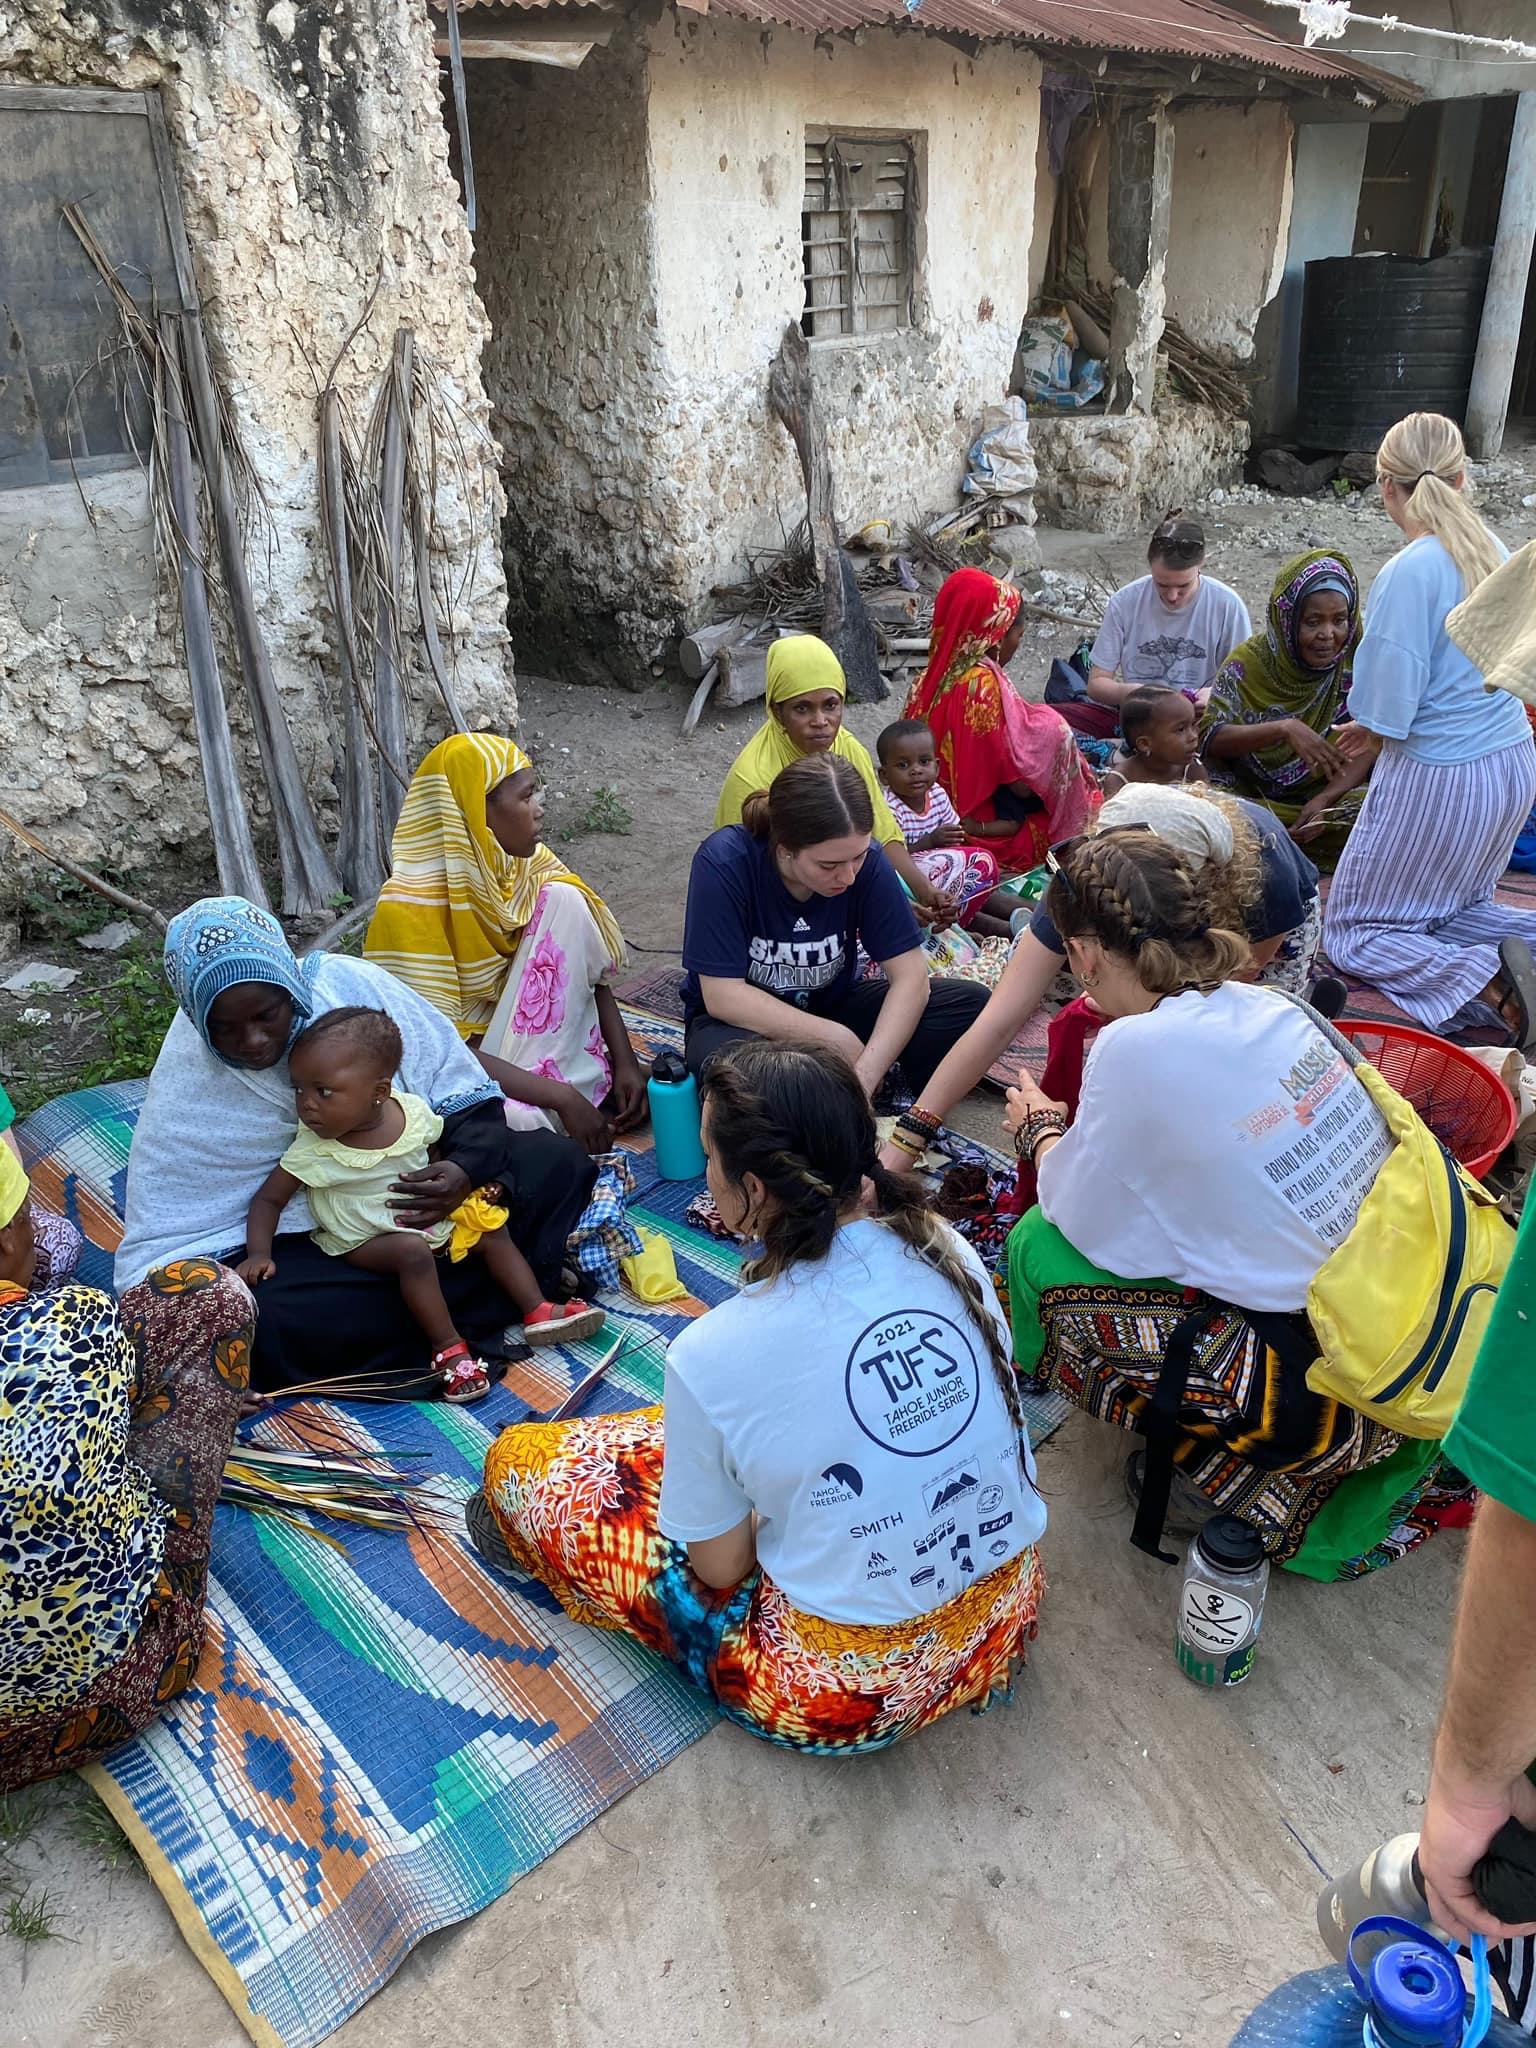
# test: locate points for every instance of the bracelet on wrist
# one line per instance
(1037, 1123)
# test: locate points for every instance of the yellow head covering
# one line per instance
(798, 665)
(450, 915)
(13, 1184)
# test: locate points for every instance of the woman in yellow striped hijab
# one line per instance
(491, 926)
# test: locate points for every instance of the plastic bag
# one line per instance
(1043, 359)
(1000, 463)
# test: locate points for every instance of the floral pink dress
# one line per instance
(546, 1018)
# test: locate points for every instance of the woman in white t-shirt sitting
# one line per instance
(1221, 1151)
(830, 1524)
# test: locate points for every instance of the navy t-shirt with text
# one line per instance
(742, 924)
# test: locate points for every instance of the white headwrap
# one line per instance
(1199, 830)
(210, 1132)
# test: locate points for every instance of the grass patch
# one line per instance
(88, 1822)
(606, 812)
(32, 1917)
(20, 1813)
(134, 1010)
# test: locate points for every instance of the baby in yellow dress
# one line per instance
(357, 1136)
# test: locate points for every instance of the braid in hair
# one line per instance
(903, 1209)
(1138, 896)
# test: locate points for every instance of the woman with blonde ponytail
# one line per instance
(1413, 909)
(830, 1524)
(1221, 1150)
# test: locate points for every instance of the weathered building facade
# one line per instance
(308, 159)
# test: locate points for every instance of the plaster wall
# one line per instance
(1328, 162)
(729, 107)
(1231, 219)
(312, 165)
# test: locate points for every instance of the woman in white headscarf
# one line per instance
(219, 1115)
(1264, 881)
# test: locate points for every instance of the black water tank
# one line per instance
(1383, 336)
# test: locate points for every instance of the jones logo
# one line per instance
(879, 1566)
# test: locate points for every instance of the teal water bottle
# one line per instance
(674, 1099)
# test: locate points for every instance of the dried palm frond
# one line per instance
(366, 1488)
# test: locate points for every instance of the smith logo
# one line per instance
(861, 1530)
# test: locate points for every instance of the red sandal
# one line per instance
(564, 1323)
(460, 1375)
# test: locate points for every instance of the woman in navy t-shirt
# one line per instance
(777, 908)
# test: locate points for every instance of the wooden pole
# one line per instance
(309, 880)
(363, 866)
(846, 625)
(388, 691)
(133, 904)
(234, 850)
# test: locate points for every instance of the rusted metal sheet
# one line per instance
(1197, 31)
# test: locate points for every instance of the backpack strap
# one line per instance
(1160, 1427)
(1325, 1025)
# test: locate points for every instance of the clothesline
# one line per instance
(1327, 20)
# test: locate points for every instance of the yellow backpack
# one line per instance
(1400, 1308)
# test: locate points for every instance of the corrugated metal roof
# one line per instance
(1199, 31)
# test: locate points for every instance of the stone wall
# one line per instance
(312, 163)
(574, 366)
(1118, 475)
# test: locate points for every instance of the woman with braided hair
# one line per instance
(1221, 1150)
(830, 1523)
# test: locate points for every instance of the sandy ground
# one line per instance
(1117, 1858)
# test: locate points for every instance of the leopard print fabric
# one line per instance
(114, 1429)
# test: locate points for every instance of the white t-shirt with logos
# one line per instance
(853, 1406)
(1143, 642)
(1221, 1142)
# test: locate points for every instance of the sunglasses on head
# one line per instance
(1057, 856)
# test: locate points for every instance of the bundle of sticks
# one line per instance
(1199, 374)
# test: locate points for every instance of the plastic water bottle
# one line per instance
(1409, 1995)
(1221, 1603)
(674, 1100)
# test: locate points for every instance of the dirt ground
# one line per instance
(1117, 1858)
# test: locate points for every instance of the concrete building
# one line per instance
(666, 189)
(1455, 170)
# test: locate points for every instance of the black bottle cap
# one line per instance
(1232, 1545)
(669, 1067)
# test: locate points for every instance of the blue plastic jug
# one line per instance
(1409, 1994)
(674, 1100)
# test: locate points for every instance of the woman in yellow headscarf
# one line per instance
(494, 930)
(806, 690)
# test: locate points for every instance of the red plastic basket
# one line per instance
(1464, 1103)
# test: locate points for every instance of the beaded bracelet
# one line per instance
(1038, 1124)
